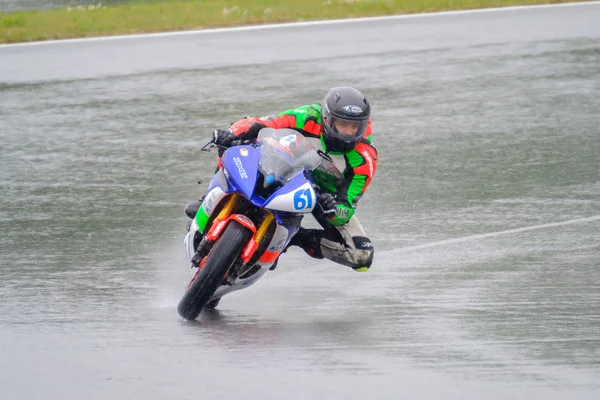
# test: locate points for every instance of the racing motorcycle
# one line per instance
(254, 206)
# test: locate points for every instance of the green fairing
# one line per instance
(201, 219)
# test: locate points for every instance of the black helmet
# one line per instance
(345, 113)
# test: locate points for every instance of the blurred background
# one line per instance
(14, 5)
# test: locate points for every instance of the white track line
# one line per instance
(301, 24)
(496, 234)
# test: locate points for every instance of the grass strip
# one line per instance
(174, 15)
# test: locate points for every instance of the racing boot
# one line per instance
(191, 209)
(308, 240)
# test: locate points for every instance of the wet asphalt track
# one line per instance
(485, 214)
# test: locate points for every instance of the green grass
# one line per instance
(138, 17)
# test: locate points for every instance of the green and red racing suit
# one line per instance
(358, 166)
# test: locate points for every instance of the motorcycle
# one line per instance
(254, 207)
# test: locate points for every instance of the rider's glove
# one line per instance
(223, 137)
(328, 203)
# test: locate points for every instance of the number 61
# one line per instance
(303, 199)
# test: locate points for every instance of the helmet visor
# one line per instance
(348, 130)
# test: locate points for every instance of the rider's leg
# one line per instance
(309, 240)
(347, 244)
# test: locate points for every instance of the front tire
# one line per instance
(207, 280)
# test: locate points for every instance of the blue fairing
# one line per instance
(215, 181)
(292, 185)
(274, 168)
(241, 163)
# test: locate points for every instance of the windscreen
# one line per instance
(284, 154)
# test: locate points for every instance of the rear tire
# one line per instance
(207, 280)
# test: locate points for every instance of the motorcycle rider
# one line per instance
(341, 127)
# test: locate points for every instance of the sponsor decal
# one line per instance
(279, 245)
(243, 152)
(244, 220)
(362, 243)
(367, 157)
(241, 170)
(341, 212)
(247, 253)
(208, 203)
(249, 250)
(353, 110)
(215, 230)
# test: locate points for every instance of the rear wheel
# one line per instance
(207, 280)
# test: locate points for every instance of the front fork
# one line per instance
(216, 229)
(218, 226)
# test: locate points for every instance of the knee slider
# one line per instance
(364, 253)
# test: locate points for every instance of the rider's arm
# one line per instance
(362, 164)
(305, 118)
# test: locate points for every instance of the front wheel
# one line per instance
(207, 280)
